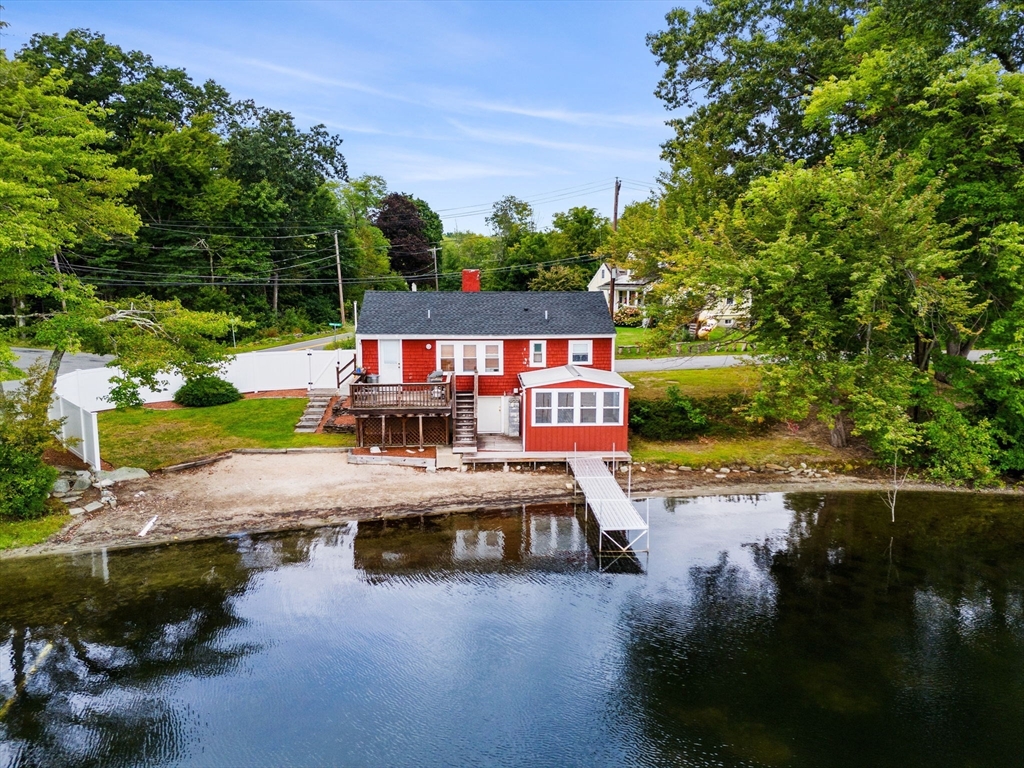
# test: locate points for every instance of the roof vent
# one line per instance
(545, 314)
(428, 314)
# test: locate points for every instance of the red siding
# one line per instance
(370, 357)
(597, 437)
(417, 361)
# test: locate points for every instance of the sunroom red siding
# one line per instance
(592, 437)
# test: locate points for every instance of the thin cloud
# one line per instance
(504, 137)
(568, 116)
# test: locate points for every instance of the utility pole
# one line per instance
(615, 207)
(433, 252)
(341, 292)
(611, 269)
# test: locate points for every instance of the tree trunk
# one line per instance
(55, 360)
(837, 437)
(923, 352)
(273, 303)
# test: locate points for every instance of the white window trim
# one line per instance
(576, 407)
(481, 344)
(543, 354)
(590, 351)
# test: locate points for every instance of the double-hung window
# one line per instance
(566, 407)
(581, 352)
(542, 408)
(577, 407)
(612, 403)
(469, 357)
(538, 354)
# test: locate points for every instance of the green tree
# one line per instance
(56, 187)
(559, 278)
(850, 275)
(465, 250)
(510, 220)
(742, 69)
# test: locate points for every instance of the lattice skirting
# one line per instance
(396, 431)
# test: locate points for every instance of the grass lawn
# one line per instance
(698, 383)
(25, 533)
(733, 450)
(150, 439)
(643, 337)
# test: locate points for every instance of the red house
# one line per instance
(526, 372)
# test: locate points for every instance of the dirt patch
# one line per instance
(427, 452)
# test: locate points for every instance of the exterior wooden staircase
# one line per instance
(465, 422)
(319, 399)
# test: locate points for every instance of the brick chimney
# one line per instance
(470, 280)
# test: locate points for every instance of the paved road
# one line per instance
(80, 362)
(703, 362)
(307, 344)
(694, 363)
(85, 361)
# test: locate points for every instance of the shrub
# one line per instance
(205, 391)
(629, 317)
(25, 482)
(958, 451)
(674, 418)
(348, 342)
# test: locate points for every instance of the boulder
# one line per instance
(60, 485)
(120, 475)
(81, 483)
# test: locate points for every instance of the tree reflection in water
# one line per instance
(850, 642)
(120, 630)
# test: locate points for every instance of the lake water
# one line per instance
(777, 630)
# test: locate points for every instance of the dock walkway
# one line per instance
(612, 509)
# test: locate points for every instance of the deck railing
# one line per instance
(420, 394)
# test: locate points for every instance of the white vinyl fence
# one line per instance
(250, 372)
(81, 394)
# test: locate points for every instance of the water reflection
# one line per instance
(546, 537)
(844, 642)
(799, 630)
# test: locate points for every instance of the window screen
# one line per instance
(542, 408)
(566, 407)
(588, 407)
(611, 407)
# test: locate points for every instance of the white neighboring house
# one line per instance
(729, 312)
(629, 290)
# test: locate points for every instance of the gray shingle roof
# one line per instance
(485, 313)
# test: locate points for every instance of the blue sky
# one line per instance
(457, 103)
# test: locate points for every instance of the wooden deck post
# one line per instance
(421, 429)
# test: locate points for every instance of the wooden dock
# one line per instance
(620, 527)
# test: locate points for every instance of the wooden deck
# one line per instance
(411, 397)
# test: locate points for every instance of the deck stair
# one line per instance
(316, 407)
(621, 529)
(465, 423)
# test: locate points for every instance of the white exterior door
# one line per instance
(490, 415)
(390, 361)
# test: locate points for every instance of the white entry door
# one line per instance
(490, 415)
(390, 361)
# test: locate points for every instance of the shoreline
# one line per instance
(257, 494)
